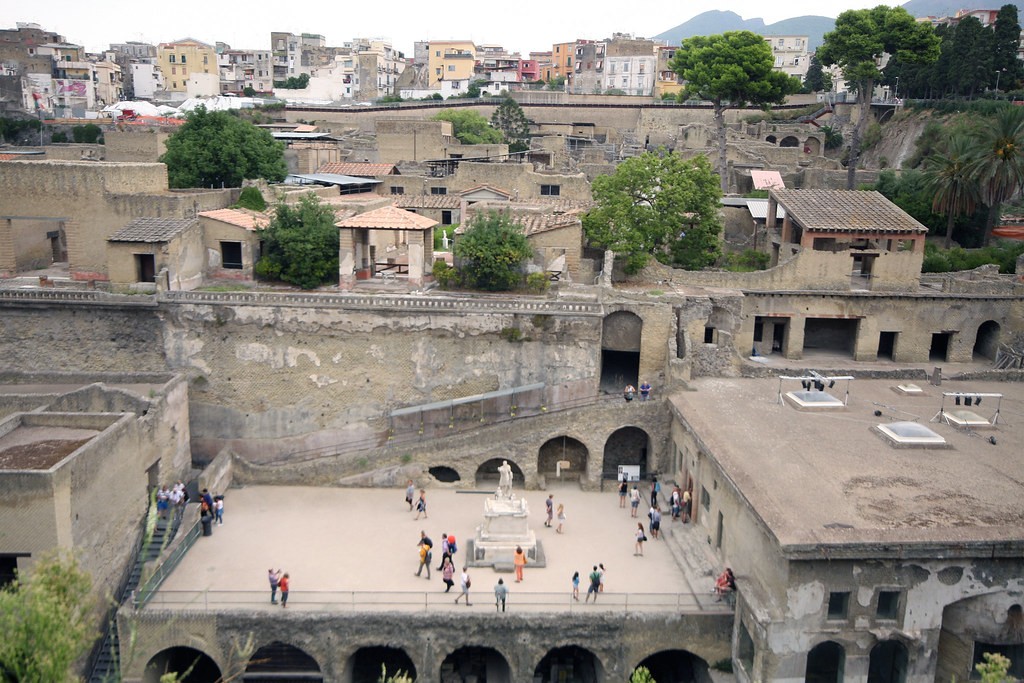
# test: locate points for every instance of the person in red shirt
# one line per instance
(284, 584)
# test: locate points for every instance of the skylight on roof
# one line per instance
(910, 435)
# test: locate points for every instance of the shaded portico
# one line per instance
(356, 257)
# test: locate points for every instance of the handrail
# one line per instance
(145, 592)
(435, 601)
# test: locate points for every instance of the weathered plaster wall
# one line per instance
(135, 144)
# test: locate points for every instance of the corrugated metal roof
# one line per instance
(152, 229)
(292, 135)
(758, 208)
(849, 211)
(330, 179)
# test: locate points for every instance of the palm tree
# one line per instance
(998, 164)
(947, 176)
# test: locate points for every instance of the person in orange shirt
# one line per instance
(284, 585)
(519, 560)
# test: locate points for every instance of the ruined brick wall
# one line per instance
(135, 144)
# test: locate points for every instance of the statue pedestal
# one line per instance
(506, 525)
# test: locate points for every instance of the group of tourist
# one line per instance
(278, 581)
(171, 500)
(629, 393)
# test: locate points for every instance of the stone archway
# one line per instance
(444, 474)
(280, 661)
(487, 474)
(621, 334)
(987, 342)
(626, 446)
(812, 145)
(562, 449)
(789, 141)
(888, 662)
(771, 139)
(364, 665)
(472, 663)
(199, 666)
(677, 666)
(825, 663)
(569, 664)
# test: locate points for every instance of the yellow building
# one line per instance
(668, 81)
(182, 58)
(562, 64)
(450, 60)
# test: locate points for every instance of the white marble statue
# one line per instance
(505, 480)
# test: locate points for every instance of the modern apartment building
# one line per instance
(183, 58)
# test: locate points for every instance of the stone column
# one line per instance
(865, 346)
(787, 229)
(346, 258)
(8, 263)
(793, 346)
(416, 251)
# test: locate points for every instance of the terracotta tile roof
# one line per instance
(537, 223)
(427, 201)
(152, 229)
(10, 157)
(388, 218)
(357, 168)
(855, 211)
(243, 218)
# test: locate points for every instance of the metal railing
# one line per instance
(145, 592)
(437, 601)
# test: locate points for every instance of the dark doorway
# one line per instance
(145, 268)
(446, 218)
(231, 255)
(987, 342)
(8, 570)
(887, 345)
(190, 664)
(365, 664)
(677, 666)
(621, 333)
(789, 141)
(481, 664)
(619, 368)
(487, 474)
(571, 664)
(626, 446)
(281, 663)
(939, 350)
(888, 663)
(444, 474)
(830, 335)
(825, 663)
(562, 449)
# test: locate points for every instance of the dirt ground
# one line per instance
(40, 455)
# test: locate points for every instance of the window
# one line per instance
(888, 605)
(838, 605)
(709, 335)
(550, 190)
(451, 67)
(437, 53)
(395, 189)
(437, 71)
(183, 59)
(439, 190)
(705, 499)
(231, 255)
(174, 71)
(446, 218)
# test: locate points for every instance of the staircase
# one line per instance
(813, 118)
(106, 665)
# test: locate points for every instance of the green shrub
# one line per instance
(956, 259)
(59, 136)
(511, 334)
(537, 283)
(446, 276)
(251, 198)
(872, 136)
(746, 261)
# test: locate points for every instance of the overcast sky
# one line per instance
(523, 26)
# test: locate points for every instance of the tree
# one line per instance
(860, 38)
(492, 252)
(641, 674)
(556, 83)
(1005, 43)
(657, 204)
(816, 79)
(730, 70)
(998, 163)
(251, 198)
(216, 149)
(293, 82)
(948, 178)
(994, 668)
(45, 622)
(90, 133)
(833, 136)
(511, 121)
(469, 127)
(300, 244)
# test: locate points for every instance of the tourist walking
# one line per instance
(218, 509)
(445, 551)
(410, 493)
(465, 583)
(634, 500)
(640, 538)
(602, 571)
(275, 579)
(676, 502)
(655, 516)
(549, 506)
(655, 490)
(595, 585)
(623, 492)
(561, 517)
(687, 505)
(425, 546)
(163, 501)
(285, 585)
(576, 586)
(421, 505)
(447, 572)
(519, 560)
(500, 594)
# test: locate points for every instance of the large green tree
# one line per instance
(511, 121)
(45, 622)
(1005, 45)
(730, 70)
(492, 251)
(859, 41)
(816, 79)
(660, 205)
(948, 178)
(998, 163)
(469, 126)
(300, 246)
(217, 149)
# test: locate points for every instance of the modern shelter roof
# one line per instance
(846, 211)
(153, 229)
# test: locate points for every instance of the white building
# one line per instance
(633, 74)
(241, 69)
(148, 78)
(791, 56)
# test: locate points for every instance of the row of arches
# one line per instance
(811, 145)
(826, 663)
(625, 446)
(282, 663)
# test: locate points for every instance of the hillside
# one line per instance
(719, 21)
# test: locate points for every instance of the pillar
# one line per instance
(416, 253)
(346, 258)
(793, 346)
(8, 265)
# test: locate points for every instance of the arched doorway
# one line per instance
(825, 663)
(570, 664)
(812, 145)
(625, 446)
(479, 664)
(199, 666)
(487, 474)
(281, 662)
(677, 666)
(771, 139)
(364, 665)
(987, 341)
(562, 449)
(888, 663)
(444, 474)
(620, 351)
(789, 141)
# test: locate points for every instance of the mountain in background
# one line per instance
(814, 27)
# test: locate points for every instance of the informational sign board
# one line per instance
(630, 472)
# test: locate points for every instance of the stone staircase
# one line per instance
(689, 547)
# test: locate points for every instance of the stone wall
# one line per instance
(518, 179)
(135, 144)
